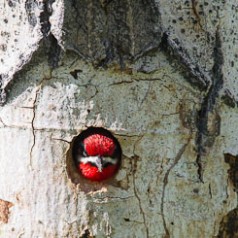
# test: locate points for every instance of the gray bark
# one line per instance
(161, 76)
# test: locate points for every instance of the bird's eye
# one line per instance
(106, 164)
(81, 149)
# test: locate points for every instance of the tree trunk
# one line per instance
(161, 76)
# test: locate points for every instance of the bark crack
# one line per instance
(121, 82)
(21, 234)
(140, 206)
(134, 165)
(3, 123)
(165, 182)
(109, 199)
(32, 123)
(210, 190)
(60, 139)
(195, 12)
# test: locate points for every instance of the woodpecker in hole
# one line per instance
(97, 154)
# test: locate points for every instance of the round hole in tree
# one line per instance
(96, 154)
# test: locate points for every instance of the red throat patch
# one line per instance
(91, 172)
(98, 144)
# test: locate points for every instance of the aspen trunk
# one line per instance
(160, 75)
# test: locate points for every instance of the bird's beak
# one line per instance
(98, 162)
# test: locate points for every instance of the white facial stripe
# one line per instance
(89, 159)
(93, 159)
(109, 160)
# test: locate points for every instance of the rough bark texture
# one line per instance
(161, 76)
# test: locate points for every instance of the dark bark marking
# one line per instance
(54, 51)
(103, 32)
(30, 6)
(4, 210)
(75, 73)
(45, 16)
(177, 53)
(229, 225)
(233, 171)
(3, 95)
(87, 234)
(229, 99)
(205, 137)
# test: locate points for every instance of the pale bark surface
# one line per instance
(161, 76)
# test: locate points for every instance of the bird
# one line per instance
(97, 154)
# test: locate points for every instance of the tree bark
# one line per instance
(161, 76)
